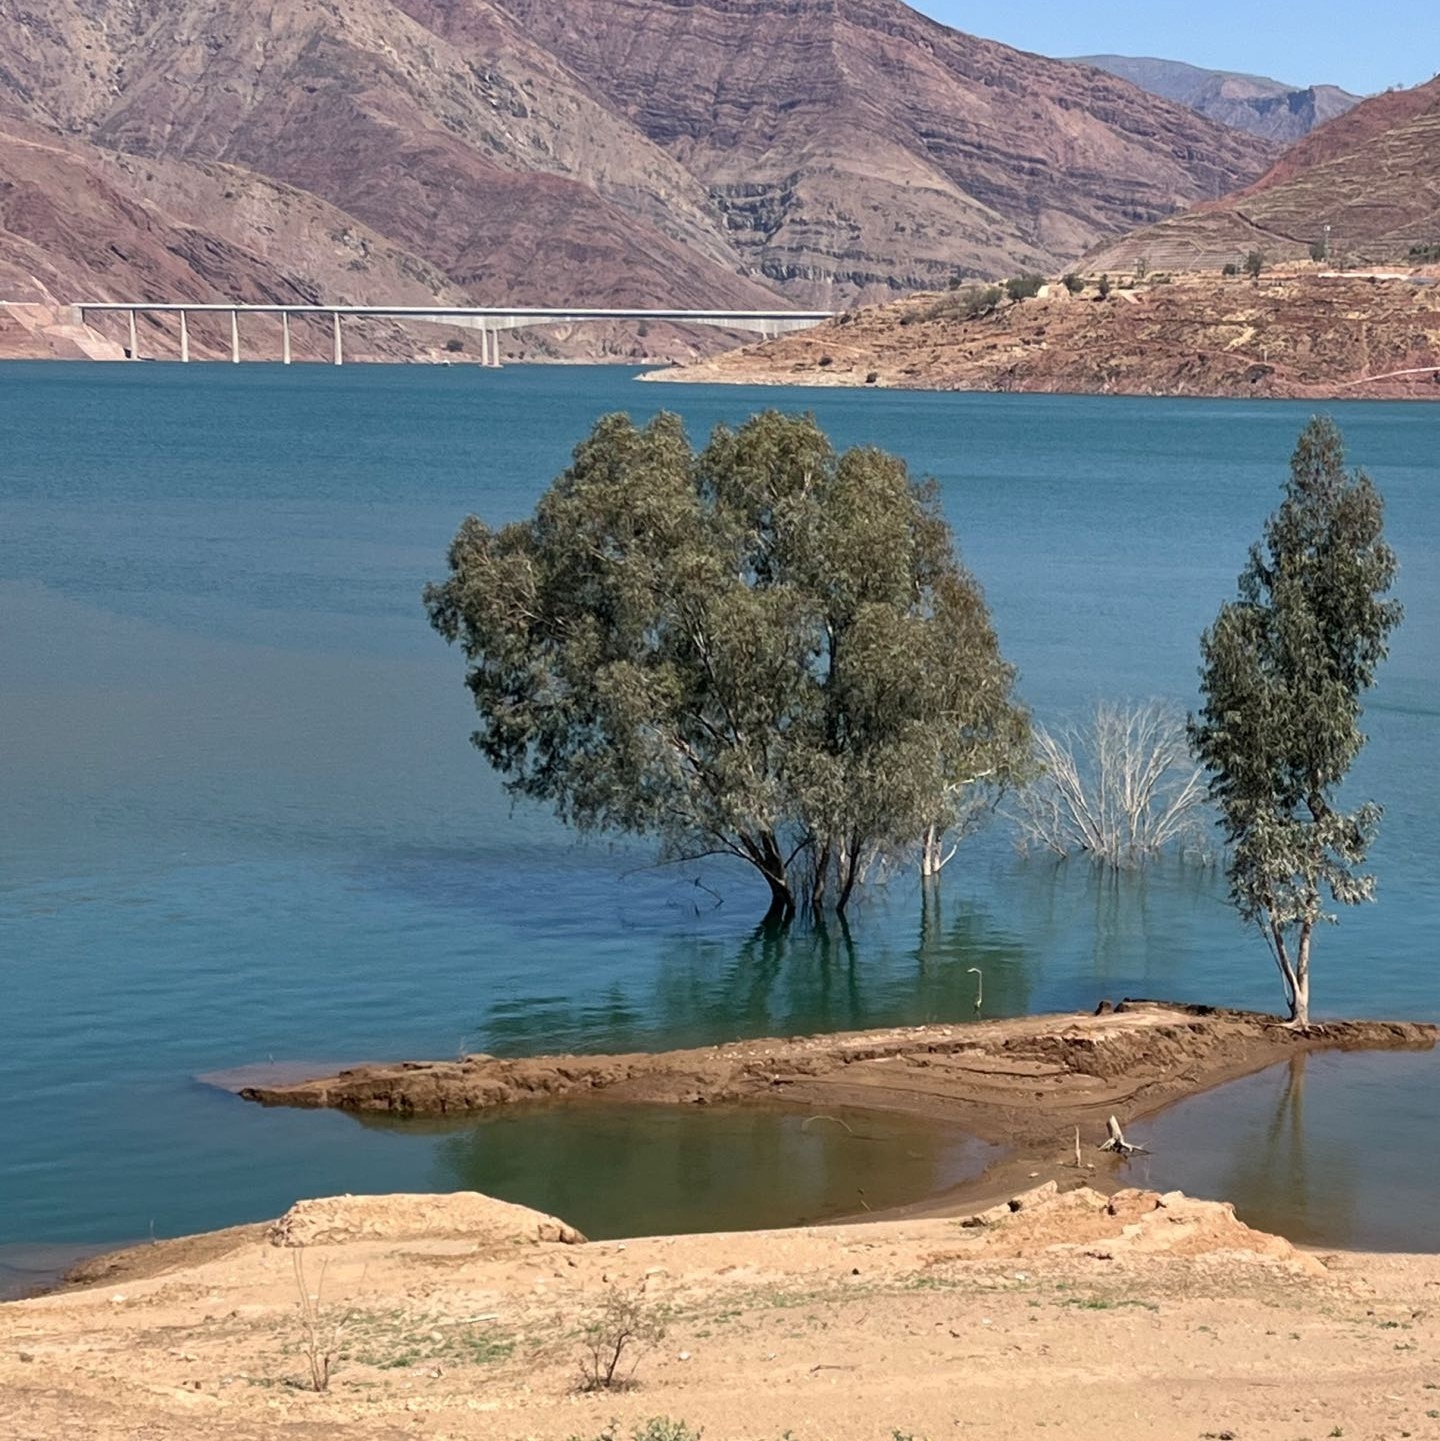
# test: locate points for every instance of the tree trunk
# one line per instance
(1301, 1009)
(1287, 970)
(819, 879)
(782, 901)
(849, 873)
(933, 856)
(930, 854)
(763, 852)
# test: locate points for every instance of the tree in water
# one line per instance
(1283, 671)
(1121, 789)
(763, 650)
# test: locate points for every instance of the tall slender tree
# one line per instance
(764, 650)
(1284, 669)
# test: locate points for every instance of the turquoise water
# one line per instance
(239, 817)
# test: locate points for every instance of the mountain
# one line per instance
(619, 152)
(1371, 178)
(1267, 108)
(860, 148)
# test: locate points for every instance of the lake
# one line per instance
(241, 819)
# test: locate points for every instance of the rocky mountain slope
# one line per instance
(1268, 108)
(623, 152)
(1303, 334)
(860, 148)
(1372, 177)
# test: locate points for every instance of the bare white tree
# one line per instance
(966, 805)
(1122, 788)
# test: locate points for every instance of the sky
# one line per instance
(1363, 48)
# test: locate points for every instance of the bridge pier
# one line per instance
(490, 321)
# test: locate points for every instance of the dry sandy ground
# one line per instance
(1073, 1316)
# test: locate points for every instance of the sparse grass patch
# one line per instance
(394, 1340)
(1108, 1303)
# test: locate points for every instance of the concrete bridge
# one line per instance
(490, 321)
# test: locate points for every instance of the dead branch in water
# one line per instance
(805, 1124)
(1121, 789)
(1116, 1141)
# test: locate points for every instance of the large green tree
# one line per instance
(1283, 672)
(764, 650)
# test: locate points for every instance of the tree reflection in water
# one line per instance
(799, 979)
(1291, 1182)
(624, 1170)
(1248, 1142)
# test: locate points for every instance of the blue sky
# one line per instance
(1362, 47)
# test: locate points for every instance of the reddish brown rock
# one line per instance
(1299, 334)
(1372, 177)
(727, 153)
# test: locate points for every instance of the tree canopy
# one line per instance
(1283, 672)
(764, 650)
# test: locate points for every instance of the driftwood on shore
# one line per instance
(1117, 1143)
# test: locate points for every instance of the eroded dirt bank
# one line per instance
(1298, 333)
(1025, 1081)
(1137, 1316)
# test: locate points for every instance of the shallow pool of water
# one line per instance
(609, 1169)
(1337, 1149)
(628, 1170)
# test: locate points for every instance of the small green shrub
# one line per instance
(1255, 264)
(1104, 287)
(970, 303)
(619, 1336)
(1074, 284)
(662, 1428)
(1230, 268)
(657, 1428)
(1023, 287)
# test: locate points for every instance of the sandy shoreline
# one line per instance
(458, 1318)
(1069, 1303)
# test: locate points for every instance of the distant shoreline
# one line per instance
(1294, 334)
